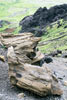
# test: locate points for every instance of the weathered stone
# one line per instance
(2, 58)
(21, 95)
(48, 59)
(22, 54)
(65, 83)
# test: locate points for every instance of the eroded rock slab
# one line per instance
(22, 56)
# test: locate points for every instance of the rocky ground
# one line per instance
(8, 92)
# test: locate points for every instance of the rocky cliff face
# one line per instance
(42, 17)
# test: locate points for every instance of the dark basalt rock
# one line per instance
(43, 17)
(59, 51)
(55, 53)
(59, 24)
(65, 26)
(48, 59)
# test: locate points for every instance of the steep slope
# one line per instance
(51, 25)
(52, 37)
(55, 37)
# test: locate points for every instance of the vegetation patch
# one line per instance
(54, 38)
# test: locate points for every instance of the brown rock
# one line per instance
(22, 55)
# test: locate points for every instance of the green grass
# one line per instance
(15, 10)
(5, 26)
(54, 33)
(17, 30)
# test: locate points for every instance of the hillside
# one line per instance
(55, 37)
(15, 10)
(49, 24)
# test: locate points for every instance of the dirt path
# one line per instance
(7, 92)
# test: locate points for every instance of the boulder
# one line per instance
(48, 59)
(2, 58)
(22, 54)
(65, 26)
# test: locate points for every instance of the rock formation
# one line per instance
(36, 23)
(23, 71)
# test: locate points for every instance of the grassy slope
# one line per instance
(15, 10)
(54, 38)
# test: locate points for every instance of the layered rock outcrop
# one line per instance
(23, 71)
